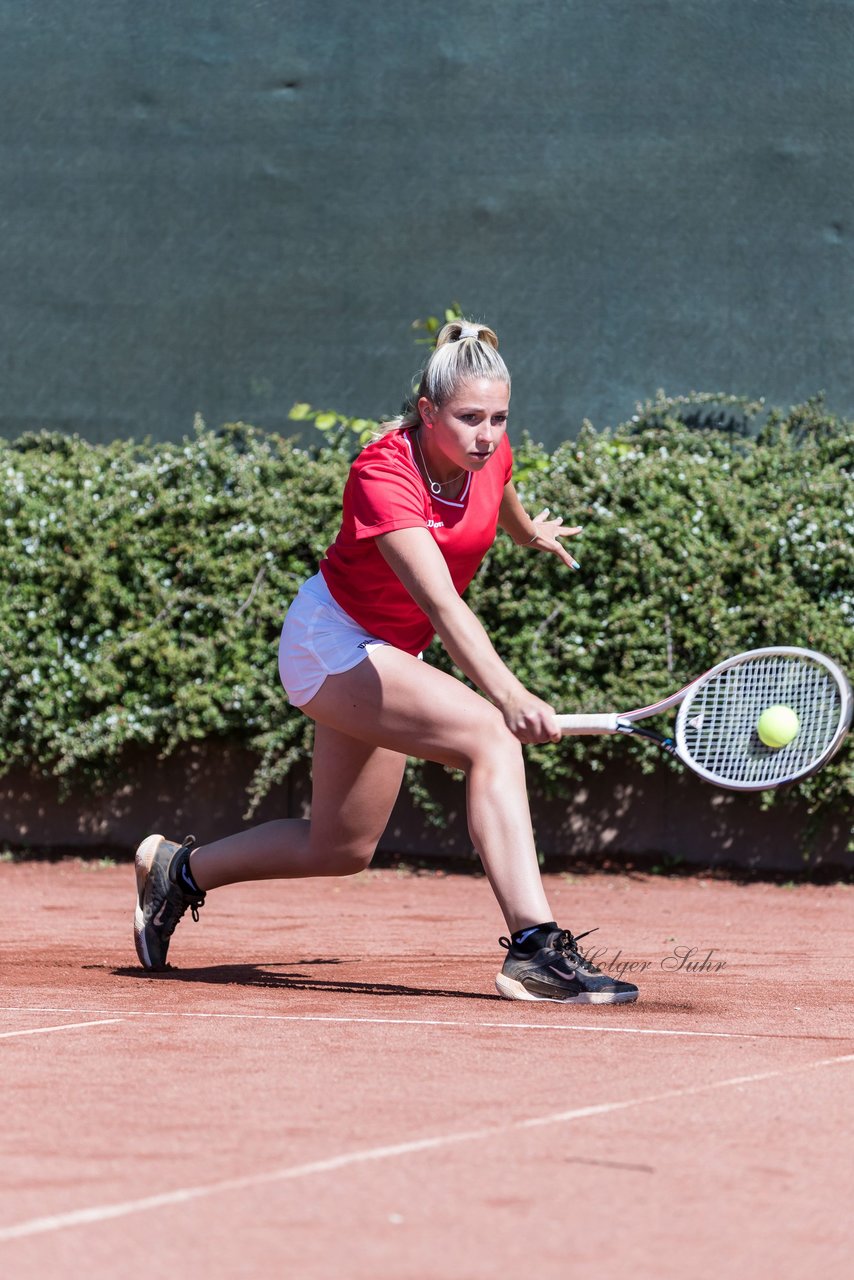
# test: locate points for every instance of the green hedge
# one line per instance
(145, 583)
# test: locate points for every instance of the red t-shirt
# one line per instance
(385, 491)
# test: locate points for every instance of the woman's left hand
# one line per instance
(548, 532)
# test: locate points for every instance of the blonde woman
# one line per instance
(420, 510)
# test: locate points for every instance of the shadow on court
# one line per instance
(652, 1003)
(287, 978)
(254, 975)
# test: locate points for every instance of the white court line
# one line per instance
(435, 1022)
(63, 1026)
(106, 1212)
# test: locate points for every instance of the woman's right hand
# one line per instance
(529, 718)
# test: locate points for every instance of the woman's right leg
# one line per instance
(354, 787)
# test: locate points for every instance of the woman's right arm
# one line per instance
(418, 563)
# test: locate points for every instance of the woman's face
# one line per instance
(468, 428)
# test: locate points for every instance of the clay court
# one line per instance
(329, 1086)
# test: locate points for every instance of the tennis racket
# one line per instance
(716, 725)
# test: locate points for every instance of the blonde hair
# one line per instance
(464, 350)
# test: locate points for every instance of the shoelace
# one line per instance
(568, 944)
(189, 899)
(172, 913)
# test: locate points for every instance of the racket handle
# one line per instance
(588, 724)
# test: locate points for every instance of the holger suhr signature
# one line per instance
(683, 959)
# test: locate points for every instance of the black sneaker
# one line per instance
(161, 898)
(558, 971)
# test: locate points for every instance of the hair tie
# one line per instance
(469, 331)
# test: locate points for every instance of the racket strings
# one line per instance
(719, 721)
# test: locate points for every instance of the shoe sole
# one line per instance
(510, 989)
(144, 858)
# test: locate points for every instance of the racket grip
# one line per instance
(588, 724)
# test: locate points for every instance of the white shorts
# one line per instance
(318, 640)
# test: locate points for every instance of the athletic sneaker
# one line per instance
(163, 895)
(556, 970)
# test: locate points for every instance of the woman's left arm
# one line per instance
(540, 533)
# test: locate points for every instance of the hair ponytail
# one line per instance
(464, 351)
(464, 330)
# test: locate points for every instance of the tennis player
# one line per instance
(420, 510)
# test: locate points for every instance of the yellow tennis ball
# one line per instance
(777, 726)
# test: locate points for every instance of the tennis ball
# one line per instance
(777, 726)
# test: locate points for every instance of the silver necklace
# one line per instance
(436, 486)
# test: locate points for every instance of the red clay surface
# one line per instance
(329, 1086)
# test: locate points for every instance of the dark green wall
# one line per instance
(227, 208)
